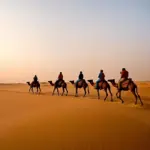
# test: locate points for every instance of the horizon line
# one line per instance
(43, 82)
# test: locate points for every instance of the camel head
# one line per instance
(51, 83)
(112, 81)
(91, 82)
(28, 83)
(72, 81)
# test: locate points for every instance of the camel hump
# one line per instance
(59, 83)
(103, 81)
(100, 83)
(35, 83)
(82, 82)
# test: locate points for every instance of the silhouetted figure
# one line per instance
(101, 77)
(124, 76)
(35, 79)
(80, 77)
(60, 78)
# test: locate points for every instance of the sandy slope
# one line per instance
(45, 122)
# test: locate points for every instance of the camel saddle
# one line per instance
(125, 83)
(34, 83)
(80, 83)
(100, 83)
(60, 82)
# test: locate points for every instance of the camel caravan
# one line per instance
(124, 84)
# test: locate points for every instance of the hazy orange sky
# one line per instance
(45, 37)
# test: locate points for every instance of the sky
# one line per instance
(45, 37)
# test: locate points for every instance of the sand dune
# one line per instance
(45, 122)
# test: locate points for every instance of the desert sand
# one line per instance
(45, 122)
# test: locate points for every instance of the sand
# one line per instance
(44, 122)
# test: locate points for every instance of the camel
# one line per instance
(59, 85)
(102, 86)
(126, 86)
(81, 84)
(34, 85)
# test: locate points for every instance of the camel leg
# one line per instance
(110, 94)
(106, 94)
(53, 91)
(133, 92)
(63, 91)
(139, 96)
(66, 91)
(140, 99)
(76, 92)
(40, 89)
(37, 90)
(117, 94)
(32, 90)
(84, 92)
(58, 91)
(98, 93)
(120, 96)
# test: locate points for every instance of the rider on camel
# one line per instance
(80, 77)
(35, 79)
(60, 77)
(124, 76)
(101, 77)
